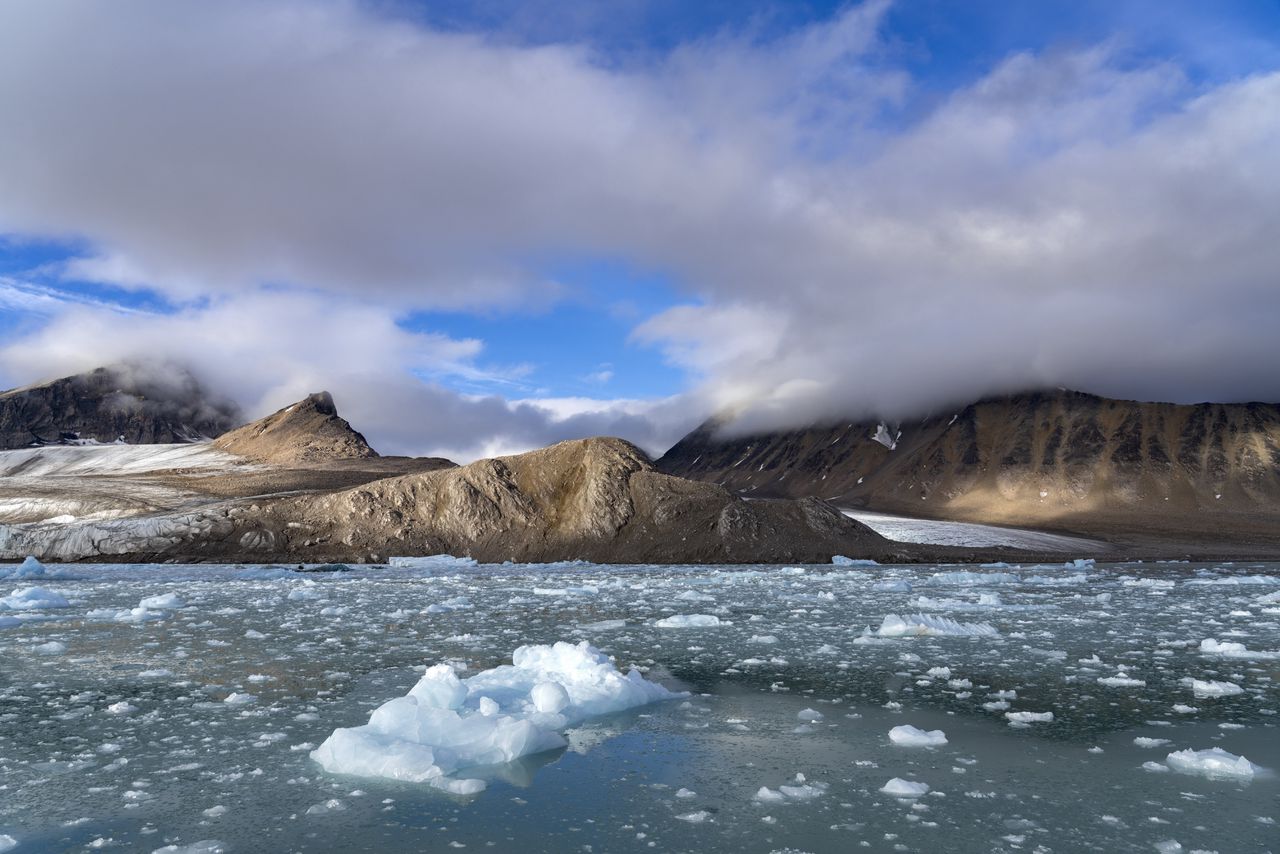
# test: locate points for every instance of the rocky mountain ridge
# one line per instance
(305, 433)
(1057, 458)
(136, 404)
(597, 499)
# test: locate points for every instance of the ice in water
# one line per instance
(445, 725)
(1082, 707)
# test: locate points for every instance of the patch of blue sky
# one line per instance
(580, 346)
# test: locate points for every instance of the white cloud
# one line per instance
(1077, 217)
(267, 350)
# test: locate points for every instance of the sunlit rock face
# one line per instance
(1062, 457)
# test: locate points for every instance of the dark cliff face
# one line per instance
(1022, 458)
(142, 406)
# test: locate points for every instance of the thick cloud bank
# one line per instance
(849, 244)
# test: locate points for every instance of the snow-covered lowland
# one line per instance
(438, 704)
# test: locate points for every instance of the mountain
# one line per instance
(1058, 459)
(303, 485)
(595, 499)
(142, 405)
(305, 433)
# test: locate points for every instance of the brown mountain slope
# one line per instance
(1056, 459)
(593, 499)
(142, 405)
(305, 433)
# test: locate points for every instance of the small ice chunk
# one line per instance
(919, 625)
(1121, 680)
(33, 599)
(841, 560)
(1231, 649)
(909, 736)
(689, 621)
(550, 698)
(1212, 688)
(811, 715)
(1029, 717)
(769, 796)
(695, 817)
(901, 788)
(163, 602)
(204, 846)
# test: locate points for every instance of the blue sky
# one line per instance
(650, 203)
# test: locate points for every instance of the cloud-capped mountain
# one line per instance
(1057, 459)
(140, 404)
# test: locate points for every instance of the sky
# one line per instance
(487, 226)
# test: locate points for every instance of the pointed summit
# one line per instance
(305, 433)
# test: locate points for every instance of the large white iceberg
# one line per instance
(1214, 763)
(446, 724)
(914, 625)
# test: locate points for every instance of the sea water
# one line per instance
(1119, 707)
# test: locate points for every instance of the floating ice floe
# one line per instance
(432, 562)
(897, 586)
(1029, 717)
(127, 615)
(917, 625)
(973, 578)
(901, 788)
(841, 560)
(909, 736)
(603, 625)
(33, 599)
(690, 621)
(445, 725)
(31, 568)
(1213, 688)
(800, 789)
(1214, 763)
(1121, 680)
(162, 602)
(204, 846)
(1235, 581)
(1231, 649)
